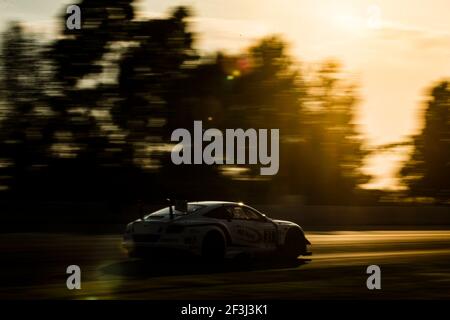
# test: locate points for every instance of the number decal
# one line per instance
(269, 236)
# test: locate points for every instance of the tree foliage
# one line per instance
(92, 114)
(427, 172)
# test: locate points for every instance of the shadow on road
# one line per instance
(145, 268)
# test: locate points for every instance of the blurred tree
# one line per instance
(156, 60)
(268, 92)
(24, 114)
(94, 110)
(427, 172)
(21, 70)
(87, 144)
(334, 148)
(259, 88)
(80, 52)
(321, 152)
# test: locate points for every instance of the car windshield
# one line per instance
(166, 212)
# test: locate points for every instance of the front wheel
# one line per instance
(294, 244)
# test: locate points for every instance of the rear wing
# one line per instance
(180, 205)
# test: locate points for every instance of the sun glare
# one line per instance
(353, 20)
(347, 21)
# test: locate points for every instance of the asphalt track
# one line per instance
(414, 265)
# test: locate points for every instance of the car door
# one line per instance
(250, 229)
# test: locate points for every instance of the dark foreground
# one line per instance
(414, 265)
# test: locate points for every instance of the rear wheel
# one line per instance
(294, 244)
(213, 248)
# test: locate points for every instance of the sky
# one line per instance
(395, 49)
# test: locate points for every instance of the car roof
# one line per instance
(210, 205)
(214, 203)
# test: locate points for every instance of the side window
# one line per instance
(239, 213)
(243, 213)
(252, 215)
(219, 213)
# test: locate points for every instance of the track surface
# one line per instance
(414, 265)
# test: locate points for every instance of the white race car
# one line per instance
(214, 230)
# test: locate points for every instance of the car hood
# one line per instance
(285, 223)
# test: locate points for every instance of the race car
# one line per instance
(213, 230)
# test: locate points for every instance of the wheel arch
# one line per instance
(221, 230)
(294, 229)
